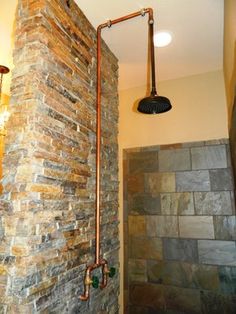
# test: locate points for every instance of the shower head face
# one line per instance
(3, 69)
(154, 105)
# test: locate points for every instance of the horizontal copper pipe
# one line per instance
(128, 17)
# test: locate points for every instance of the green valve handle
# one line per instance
(112, 272)
(95, 282)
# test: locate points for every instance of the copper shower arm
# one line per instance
(127, 17)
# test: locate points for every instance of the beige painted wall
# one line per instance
(230, 52)
(199, 113)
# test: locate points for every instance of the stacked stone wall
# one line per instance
(47, 224)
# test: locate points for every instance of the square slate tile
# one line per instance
(221, 179)
(137, 225)
(213, 203)
(135, 184)
(162, 226)
(202, 276)
(182, 299)
(145, 248)
(217, 252)
(197, 227)
(144, 204)
(180, 250)
(147, 294)
(156, 183)
(213, 303)
(227, 277)
(137, 270)
(166, 273)
(183, 275)
(225, 227)
(209, 157)
(187, 181)
(177, 203)
(143, 162)
(174, 160)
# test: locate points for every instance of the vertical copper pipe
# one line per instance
(98, 128)
(98, 261)
(87, 282)
(105, 272)
(98, 146)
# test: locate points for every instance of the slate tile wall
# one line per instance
(180, 239)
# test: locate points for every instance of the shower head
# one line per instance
(154, 104)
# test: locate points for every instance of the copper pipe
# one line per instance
(128, 17)
(151, 22)
(105, 272)
(98, 151)
(98, 129)
(87, 282)
(98, 261)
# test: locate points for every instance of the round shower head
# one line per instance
(3, 69)
(154, 104)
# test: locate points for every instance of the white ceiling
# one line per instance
(196, 26)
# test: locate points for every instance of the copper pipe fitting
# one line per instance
(87, 282)
(105, 272)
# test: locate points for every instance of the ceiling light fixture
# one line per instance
(162, 39)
